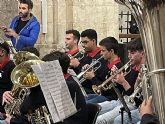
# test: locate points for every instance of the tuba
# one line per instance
(23, 78)
(150, 17)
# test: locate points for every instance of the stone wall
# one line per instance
(101, 15)
(8, 9)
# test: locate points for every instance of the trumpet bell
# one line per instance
(22, 56)
(24, 76)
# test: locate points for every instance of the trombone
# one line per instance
(97, 61)
(107, 83)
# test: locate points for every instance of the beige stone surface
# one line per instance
(8, 9)
(101, 15)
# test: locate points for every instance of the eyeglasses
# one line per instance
(84, 42)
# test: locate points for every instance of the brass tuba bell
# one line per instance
(22, 56)
(23, 78)
(23, 75)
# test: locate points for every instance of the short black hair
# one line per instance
(75, 33)
(110, 43)
(90, 33)
(28, 2)
(5, 46)
(135, 45)
(63, 58)
(31, 50)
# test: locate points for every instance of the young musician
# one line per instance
(71, 43)
(36, 98)
(109, 50)
(92, 54)
(6, 67)
(112, 108)
(146, 111)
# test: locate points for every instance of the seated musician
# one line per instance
(92, 53)
(72, 38)
(111, 109)
(146, 112)
(6, 67)
(36, 98)
(109, 50)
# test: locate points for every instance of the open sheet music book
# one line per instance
(55, 90)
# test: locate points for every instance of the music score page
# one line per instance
(55, 90)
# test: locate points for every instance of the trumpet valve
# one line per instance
(96, 89)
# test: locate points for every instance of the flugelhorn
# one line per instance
(107, 83)
(97, 61)
(140, 81)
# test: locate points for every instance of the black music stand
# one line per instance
(125, 107)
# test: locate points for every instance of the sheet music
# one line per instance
(55, 90)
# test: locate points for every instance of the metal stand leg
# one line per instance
(122, 109)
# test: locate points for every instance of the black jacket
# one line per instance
(36, 99)
(5, 81)
(149, 119)
(110, 93)
(100, 74)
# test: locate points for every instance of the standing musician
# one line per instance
(36, 98)
(92, 53)
(109, 50)
(71, 42)
(112, 108)
(6, 67)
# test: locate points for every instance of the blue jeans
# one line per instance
(2, 121)
(94, 98)
(111, 112)
(134, 114)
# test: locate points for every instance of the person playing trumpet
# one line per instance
(112, 108)
(109, 50)
(72, 38)
(97, 72)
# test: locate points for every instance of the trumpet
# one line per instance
(97, 61)
(79, 57)
(107, 83)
